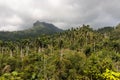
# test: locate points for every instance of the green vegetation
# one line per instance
(38, 29)
(76, 54)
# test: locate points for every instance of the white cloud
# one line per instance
(20, 14)
(14, 20)
(9, 28)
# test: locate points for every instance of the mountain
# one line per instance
(43, 28)
(113, 32)
(106, 29)
(38, 29)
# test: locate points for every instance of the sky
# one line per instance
(21, 14)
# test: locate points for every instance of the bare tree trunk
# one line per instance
(51, 49)
(61, 55)
(17, 50)
(94, 46)
(11, 54)
(91, 78)
(27, 50)
(39, 49)
(21, 54)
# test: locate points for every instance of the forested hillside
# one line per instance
(75, 54)
(36, 30)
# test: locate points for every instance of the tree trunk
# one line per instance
(61, 55)
(17, 50)
(21, 54)
(91, 78)
(27, 50)
(11, 53)
(39, 49)
(94, 46)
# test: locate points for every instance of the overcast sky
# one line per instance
(21, 14)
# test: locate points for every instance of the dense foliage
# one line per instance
(76, 54)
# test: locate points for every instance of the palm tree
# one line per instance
(11, 48)
(38, 43)
(26, 43)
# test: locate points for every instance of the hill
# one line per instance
(38, 29)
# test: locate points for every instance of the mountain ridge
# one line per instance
(38, 29)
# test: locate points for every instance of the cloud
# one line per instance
(21, 14)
